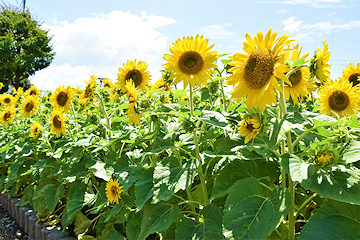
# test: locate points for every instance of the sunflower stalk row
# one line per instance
(257, 145)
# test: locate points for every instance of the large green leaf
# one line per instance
(340, 183)
(333, 221)
(248, 214)
(352, 154)
(111, 234)
(232, 172)
(82, 223)
(209, 228)
(51, 191)
(157, 218)
(215, 119)
(170, 177)
(126, 171)
(144, 187)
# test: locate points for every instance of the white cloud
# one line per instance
(291, 25)
(313, 3)
(216, 31)
(283, 10)
(101, 44)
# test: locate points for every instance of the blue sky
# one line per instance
(97, 37)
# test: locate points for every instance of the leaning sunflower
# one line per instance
(339, 97)
(113, 191)
(318, 64)
(133, 114)
(62, 97)
(191, 61)
(33, 90)
(7, 115)
(160, 84)
(57, 121)
(7, 100)
(108, 83)
(89, 93)
(35, 130)
(29, 106)
(352, 74)
(255, 73)
(137, 72)
(250, 127)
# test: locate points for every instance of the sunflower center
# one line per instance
(36, 130)
(107, 85)
(32, 92)
(259, 68)
(338, 101)
(57, 122)
(354, 78)
(88, 91)
(62, 98)
(114, 190)
(135, 76)
(7, 115)
(191, 62)
(29, 106)
(7, 100)
(295, 78)
(250, 127)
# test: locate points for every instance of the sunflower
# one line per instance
(35, 130)
(113, 191)
(33, 90)
(57, 121)
(7, 99)
(133, 115)
(352, 74)
(131, 91)
(160, 84)
(29, 106)
(318, 64)
(108, 83)
(136, 71)
(250, 127)
(61, 98)
(255, 73)
(191, 61)
(88, 94)
(19, 91)
(325, 157)
(339, 97)
(7, 115)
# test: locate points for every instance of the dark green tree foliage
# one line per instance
(24, 47)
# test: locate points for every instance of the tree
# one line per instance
(24, 46)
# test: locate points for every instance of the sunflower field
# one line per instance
(261, 144)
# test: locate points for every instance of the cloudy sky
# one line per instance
(97, 37)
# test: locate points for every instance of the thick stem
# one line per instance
(305, 203)
(308, 131)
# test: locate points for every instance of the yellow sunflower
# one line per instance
(88, 94)
(35, 130)
(255, 73)
(57, 121)
(352, 74)
(7, 115)
(108, 83)
(113, 191)
(29, 106)
(325, 157)
(19, 91)
(131, 91)
(7, 100)
(33, 90)
(160, 84)
(339, 97)
(133, 115)
(136, 71)
(62, 97)
(250, 127)
(191, 61)
(318, 65)
(1, 85)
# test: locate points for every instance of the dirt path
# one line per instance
(9, 229)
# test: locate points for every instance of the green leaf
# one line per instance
(333, 221)
(227, 145)
(248, 214)
(133, 226)
(232, 172)
(82, 223)
(159, 145)
(100, 171)
(179, 93)
(215, 119)
(352, 154)
(144, 187)
(298, 62)
(168, 107)
(111, 234)
(205, 94)
(126, 171)
(75, 203)
(170, 177)
(157, 218)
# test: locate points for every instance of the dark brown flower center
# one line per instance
(135, 76)
(259, 68)
(29, 106)
(191, 62)
(338, 101)
(7, 100)
(33, 92)
(88, 91)
(62, 98)
(57, 123)
(114, 191)
(354, 78)
(250, 127)
(107, 85)
(7, 116)
(295, 78)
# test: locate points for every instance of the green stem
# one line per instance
(108, 120)
(224, 101)
(74, 114)
(305, 203)
(308, 131)
(195, 213)
(266, 186)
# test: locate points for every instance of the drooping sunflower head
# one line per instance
(19, 91)
(135, 71)
(133, 114)
(191, 61)
(318, 64)
(7, 115)
(88, 94)
(35, 130)
(7, 99)
(62, 97)
(29, 106)
(113, 191)
(57, 121)
(255, 73)
(160, 84)
(352, 74)
(131, 91)
(250, 127)
(108, 83)
(338, 97)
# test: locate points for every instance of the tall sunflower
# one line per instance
(255, 73)
(136, 71)
(339, 97)
(250, 127)
(108, 83)
(33, 90)
(29, 106)
(62, 97)
(35, 130)
(7, 99)
(318, 64)
(7, 115)
(352, 74)
(57, 121)
(88, 94)
(113, 191)
(191, 61)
